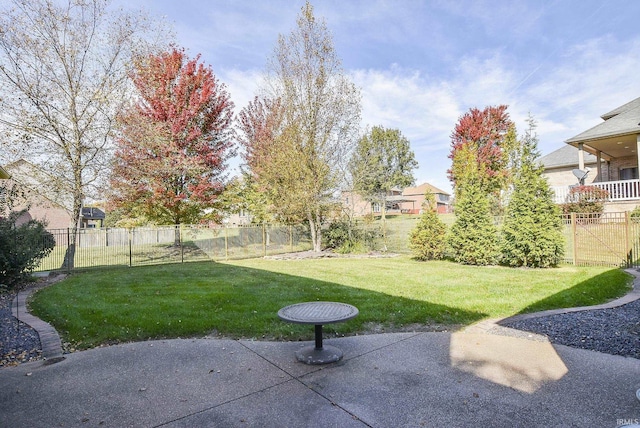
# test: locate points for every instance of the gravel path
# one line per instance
(613, 331)
(19, 343)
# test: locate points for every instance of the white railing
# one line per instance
(624, 190)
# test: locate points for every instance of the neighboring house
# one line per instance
(407, 201)
(92, 217)
(44, 201)
(240, 218)
(415, 198)
(615, 144)
(559, 166)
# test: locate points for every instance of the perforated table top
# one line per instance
(318, 313)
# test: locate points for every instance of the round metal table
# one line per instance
(318, 314)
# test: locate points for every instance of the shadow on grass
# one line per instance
(595, 290)
(198, 299)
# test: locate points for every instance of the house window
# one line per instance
(375, 207)
(629, 173)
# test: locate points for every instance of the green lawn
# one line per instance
(240, 299)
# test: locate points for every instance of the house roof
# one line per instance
(623, 120)
(41, 183)
(4, 175)
(422, 189)
(91, 213)
(565, 156)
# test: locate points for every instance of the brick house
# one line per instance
(45, 202)
(399, 201)
(611, 150)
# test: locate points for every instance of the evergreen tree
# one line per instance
(473, 238)
(428, 240)
(532, 230)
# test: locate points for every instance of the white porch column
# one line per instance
(638, 149)
(581, 156)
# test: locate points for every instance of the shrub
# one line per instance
(345, 237)
(428, 240)
(22, 247)
(635, 215)
(585, 200)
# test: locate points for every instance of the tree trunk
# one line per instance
(176, 240)
(316, 234)
(70, 254)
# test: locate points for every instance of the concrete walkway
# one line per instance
(388, 380)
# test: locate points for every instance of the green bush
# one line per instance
(428, 240)
(585, 200)
(345, 237)
(22, 247)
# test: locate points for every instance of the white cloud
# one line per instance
(242, 85)
(565, 95)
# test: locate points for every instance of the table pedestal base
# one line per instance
(325, 355)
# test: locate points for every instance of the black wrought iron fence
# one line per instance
(611, 239)
(89, 248)
(603, 239)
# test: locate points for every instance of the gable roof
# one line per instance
(422, 189)
(91, 213)
(623, 120)
(41, 183)
(565, 156)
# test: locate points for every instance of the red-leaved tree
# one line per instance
(484, 132)
(174, 142)
(259, 123)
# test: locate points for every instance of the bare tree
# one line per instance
(319, 126)
(63, 78)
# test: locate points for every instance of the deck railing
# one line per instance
(623, 190)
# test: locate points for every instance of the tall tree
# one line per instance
(485, 131)
(315, 130)
(473, 237)
(382, 160)
(63, 78)
(173, 143)
(532, 230)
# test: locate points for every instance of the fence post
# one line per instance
(130, 230)
(574, 238)
(181, 245)
(627, 239)
(264, 240)
(226, 243)
(291, 237)
(66, 259)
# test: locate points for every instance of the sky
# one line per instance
(420, 65)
